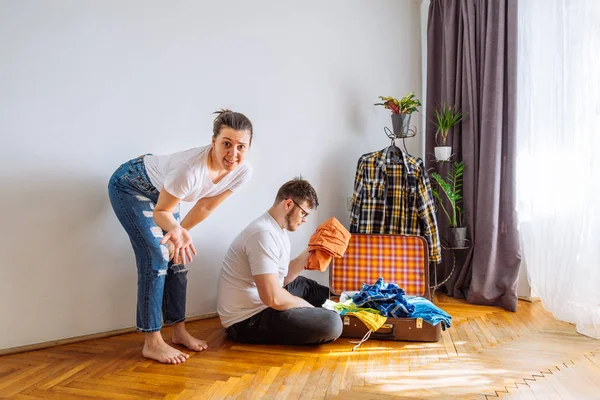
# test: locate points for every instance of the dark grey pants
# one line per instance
(296, 326)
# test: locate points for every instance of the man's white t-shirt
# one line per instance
(185, 174)
(262, 248)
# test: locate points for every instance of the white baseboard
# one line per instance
(529, 299)
(76, 339)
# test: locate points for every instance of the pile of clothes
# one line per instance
(374, 303)
(391, 301)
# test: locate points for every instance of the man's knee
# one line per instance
(299, 284)
(329, 326)
(301, 279)
(305, 282)
(335, 326)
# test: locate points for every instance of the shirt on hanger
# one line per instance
(394, 198)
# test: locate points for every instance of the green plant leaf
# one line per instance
(406, 105)
(445, 118)
(452, 190)
(436, 194)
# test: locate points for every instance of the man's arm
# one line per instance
(296, 266)
(263, 256)
(274, 296)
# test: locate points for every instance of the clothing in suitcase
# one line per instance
(400, 259)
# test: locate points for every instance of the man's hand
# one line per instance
(304, 256)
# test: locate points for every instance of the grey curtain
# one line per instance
(471, 62)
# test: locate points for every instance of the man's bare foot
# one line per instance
(156, 349)
(182, 336)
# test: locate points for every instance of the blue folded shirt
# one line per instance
(431, 313)
(385, 297)
(391, 300)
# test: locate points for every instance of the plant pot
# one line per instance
(400, 124)
(443, 153)
(457, 237)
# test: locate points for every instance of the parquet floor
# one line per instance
(488, 353)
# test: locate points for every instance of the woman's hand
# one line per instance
(182, 243)
(171, 248)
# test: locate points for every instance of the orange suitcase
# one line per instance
(399, 259)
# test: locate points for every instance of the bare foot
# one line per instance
(158, 350)
(182, 336)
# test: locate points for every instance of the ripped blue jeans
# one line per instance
(161, 287)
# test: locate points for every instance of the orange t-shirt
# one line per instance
(330, 240)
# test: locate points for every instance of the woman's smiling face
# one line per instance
(230, 147)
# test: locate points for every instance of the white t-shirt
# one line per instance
(185, 174)
(262, 248)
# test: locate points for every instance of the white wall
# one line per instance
(87, 85)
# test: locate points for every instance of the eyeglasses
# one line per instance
(304, 213)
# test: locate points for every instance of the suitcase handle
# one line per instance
(389, 334)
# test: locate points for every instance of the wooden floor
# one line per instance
(487, 354)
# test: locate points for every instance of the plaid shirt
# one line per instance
(391, 301)
(385, 297)
(394, 199)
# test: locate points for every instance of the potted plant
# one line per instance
(401, 110)
(451, 188)
(446, 117)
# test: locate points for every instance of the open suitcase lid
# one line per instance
(399, 259)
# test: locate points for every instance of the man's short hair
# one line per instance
(298, 190)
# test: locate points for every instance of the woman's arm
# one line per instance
(202, 209)
(179, 236)
(176, 233)
(163, 211)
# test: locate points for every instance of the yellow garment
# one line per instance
(348, 306)
(372, 321)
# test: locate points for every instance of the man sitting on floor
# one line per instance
(261, 298)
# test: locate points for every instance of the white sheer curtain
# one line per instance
(558, 128)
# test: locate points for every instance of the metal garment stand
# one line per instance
(436, 285)
(393, 136)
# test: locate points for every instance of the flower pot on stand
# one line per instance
(457, 237)
(400, 124)
(443, 153)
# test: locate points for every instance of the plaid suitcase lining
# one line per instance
(399, 259)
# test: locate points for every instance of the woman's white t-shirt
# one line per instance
(185, 174)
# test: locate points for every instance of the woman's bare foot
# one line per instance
(156, 349)
(182, 336)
